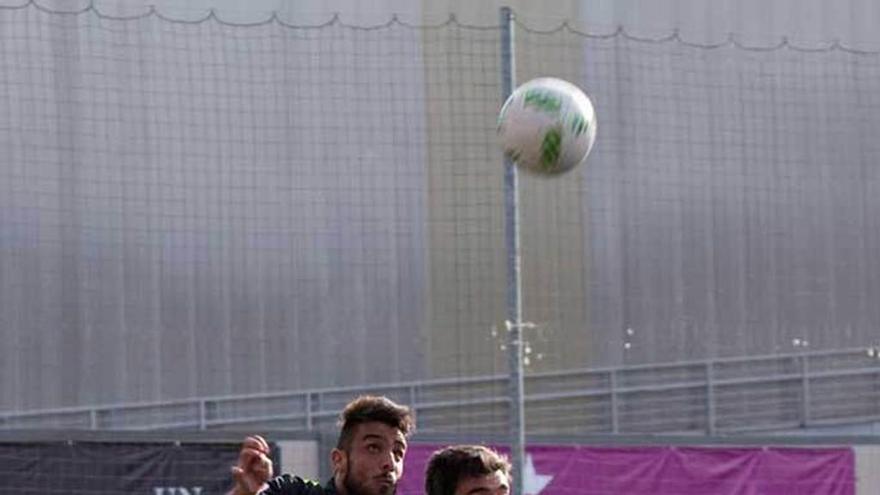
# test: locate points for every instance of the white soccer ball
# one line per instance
(547, 126)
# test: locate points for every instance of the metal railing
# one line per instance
(717, 396)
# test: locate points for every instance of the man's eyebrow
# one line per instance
(373, 436)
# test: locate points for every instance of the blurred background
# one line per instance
(218, 216)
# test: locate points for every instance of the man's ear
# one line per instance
(339, 461)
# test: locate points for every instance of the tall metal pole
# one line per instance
(514, 278)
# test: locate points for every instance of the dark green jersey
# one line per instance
(287, 484)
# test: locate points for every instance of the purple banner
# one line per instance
(565, 470)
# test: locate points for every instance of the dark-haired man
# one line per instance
(467, 470)
(367, 460)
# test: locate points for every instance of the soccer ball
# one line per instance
(547, 126)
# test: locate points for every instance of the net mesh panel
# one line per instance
(207, 209)
(199, 208)
(725, 209)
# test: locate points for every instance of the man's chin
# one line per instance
(386, 489)
(372, 489)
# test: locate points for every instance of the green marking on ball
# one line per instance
(542, 100)
(551, 147)
(578, 124)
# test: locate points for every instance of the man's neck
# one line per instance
(339, 486)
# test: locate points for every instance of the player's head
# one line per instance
(368, 458)
(467, 470)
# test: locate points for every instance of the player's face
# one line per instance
(490, 484)
(374, 461)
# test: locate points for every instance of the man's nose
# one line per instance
(388, 461)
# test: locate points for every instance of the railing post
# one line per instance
(805, 390)
(710, 399)
(203, 415)
(412, 402)
(615, 420)
(93, 419)
(309, 411)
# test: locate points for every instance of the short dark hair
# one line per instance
(447, 467)
(368, 409)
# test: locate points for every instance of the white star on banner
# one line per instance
(532, 481)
